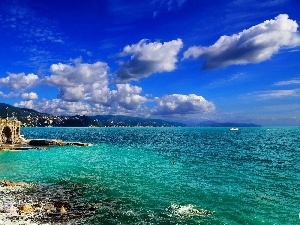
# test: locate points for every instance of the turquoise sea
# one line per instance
(170, 175)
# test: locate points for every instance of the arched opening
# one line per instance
(17, 132)
(7, 135)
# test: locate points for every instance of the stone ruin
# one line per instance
(10, 131)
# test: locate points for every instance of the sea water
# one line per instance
(171, 175)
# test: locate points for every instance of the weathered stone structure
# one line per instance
(10, 131)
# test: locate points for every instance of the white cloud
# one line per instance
(168, 4)
(80, 81)
(67, 108)
(253, 45)
(233, 78)
(35, 33)
(84, 89)
(61, 107)
(88, 53)
(72, 94)
(278, 93)
(128, 96)
(19, 82)
(178, 104)
(288, 82)
(57, 107)
(148, 58)
(29, 96)
(100, 95)
(30, 26)
(26, 104)
(88, 83)
(9, 95)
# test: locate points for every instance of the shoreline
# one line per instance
(15, 147)
(42, 144)
(26, 203)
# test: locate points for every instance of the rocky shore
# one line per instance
(25, 203)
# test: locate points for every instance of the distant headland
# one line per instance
(32, 118)
(227, 124)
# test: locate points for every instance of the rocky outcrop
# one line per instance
(25, 203)
(10, 131)
(8, 183)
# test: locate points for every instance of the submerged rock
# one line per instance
(49, 208)
(41, 204)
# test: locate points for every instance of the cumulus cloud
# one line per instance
(19, 82)
(80, 81)
(89, 82)
(29, 96)
(57, 107)
(128, 96)
(60, 107)
(148, 58)
(26, 104)
(84, 89)
(178, 104)
(253, 45)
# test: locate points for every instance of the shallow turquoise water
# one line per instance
(171, 175)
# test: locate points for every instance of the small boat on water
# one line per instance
(234, 129)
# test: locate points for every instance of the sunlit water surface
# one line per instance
(171, 175)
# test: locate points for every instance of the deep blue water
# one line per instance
(171, 175)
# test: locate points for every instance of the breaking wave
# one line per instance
(187, 211)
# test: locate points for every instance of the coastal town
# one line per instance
(12, 139)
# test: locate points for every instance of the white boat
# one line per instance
(234, 128)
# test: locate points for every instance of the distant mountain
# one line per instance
(28, 117)
(10, 111)
(227, 124)
(32, 118)
(110, 120)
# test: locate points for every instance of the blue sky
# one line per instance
(181, 60)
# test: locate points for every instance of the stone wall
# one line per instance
(10, 131)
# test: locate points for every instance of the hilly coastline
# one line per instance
(32, 118)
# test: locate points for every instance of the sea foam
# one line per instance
(187, 211)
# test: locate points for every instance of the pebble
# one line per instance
(26, 208)
(63, 210)
(24, 203)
